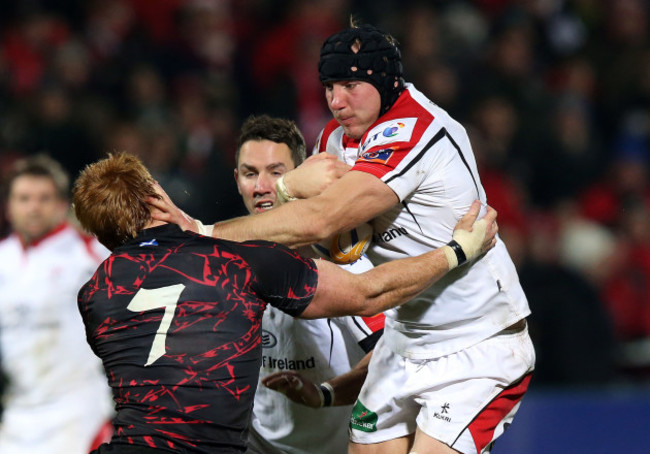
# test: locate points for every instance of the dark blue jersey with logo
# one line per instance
(176, 319)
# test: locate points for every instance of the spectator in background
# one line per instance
(56, 399)
(574, 141)
(573, 145)
(26, 45)
(622, 203)
(627, 292)
(554, 274)
(619, 50)
(491, 134)
(508, 74)
(57, 130)
(284, 62)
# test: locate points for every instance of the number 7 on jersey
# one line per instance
(149, 299)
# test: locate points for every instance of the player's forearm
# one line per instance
(347, 386)
(388, 286)
(383, 287)
(349, 201)
(296, 224)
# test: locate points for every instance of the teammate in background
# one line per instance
(452, 365)
(176, 317)
(56, 400)
(298, 355)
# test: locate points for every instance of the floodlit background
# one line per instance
(554, 93)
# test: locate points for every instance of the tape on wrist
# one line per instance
(458, 257)
(282, 192)
(204, 229)
(327, 393)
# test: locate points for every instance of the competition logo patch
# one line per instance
(380, 156)
(389, 132)
(363, 419)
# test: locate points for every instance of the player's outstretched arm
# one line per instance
(354, 198)
(393, 283)
(344, 388)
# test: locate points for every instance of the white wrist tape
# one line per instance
(465, 245)
(204, 229)
(282, 191)
(451, 253)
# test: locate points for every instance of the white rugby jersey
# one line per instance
(57, 397)
(426, 158)
(319, 349)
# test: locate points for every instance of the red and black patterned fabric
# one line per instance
(176, 319)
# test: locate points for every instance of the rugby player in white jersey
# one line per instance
(449, 373)
(57, 400)
(299, 355)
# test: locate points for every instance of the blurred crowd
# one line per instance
(555, 95)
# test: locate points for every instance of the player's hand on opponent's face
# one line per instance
(166, 211)
(314, 175)
(296, 387)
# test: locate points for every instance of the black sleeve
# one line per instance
(283, 277)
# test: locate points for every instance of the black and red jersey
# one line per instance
(176, 319)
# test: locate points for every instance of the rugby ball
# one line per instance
(346, 247)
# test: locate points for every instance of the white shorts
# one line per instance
(465, 400)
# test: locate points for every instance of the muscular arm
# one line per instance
(398, 281)
(367, 294)
(354, 198)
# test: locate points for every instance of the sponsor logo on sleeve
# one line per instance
(399, 130)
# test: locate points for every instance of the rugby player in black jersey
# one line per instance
(176, 317)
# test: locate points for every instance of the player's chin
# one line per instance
(353, 132)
